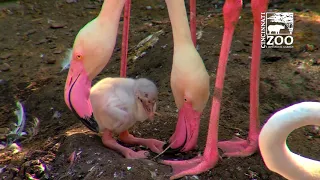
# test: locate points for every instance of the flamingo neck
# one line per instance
(272, 141)
(111, 10)
(104, 28)
(179, 22)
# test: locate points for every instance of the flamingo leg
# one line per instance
(111, 143)
(238, 147)
(125, 38)
(231, 13)
(153, 144)
(193, 21)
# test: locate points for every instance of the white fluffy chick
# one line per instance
(118, 103)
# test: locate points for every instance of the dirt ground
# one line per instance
(35, 34)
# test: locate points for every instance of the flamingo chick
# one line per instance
(118, 103)
(272, 142)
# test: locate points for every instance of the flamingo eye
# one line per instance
(185, 100)
(79, 57)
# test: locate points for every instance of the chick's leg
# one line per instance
(118, 121)
(153, 144)
(111, 143)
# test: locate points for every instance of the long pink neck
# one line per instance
(179, 22)
(111, 10)
(105, 27)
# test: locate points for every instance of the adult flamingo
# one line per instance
(272, 142)
(236, 147)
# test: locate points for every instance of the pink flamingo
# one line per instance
(91, 51)
(236, 147)
(273, 146)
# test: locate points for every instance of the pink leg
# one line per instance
(111, 143)
(125, 37)
(238, 147)
(153, 144)
(193, 21)
(231, 12)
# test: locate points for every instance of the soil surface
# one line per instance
(35, 35)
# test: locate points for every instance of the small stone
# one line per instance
(3, 132)
(5, 67)
(5, 56)
(57, 52)
(148, 7)
(161, 7)
(52, 37)
(304, 55)
(71, 1)
(90, 6)
(52, 46)
(41, 41)
(31, 31)
(56, 25)
(2, 81)
(15, 148)
(50, 61)
(2, 146)
(299, 8)
(310, 47)
(316, 62)
(272, 58)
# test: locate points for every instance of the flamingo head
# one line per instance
(91, 52)
(190, 87)
(146, 93)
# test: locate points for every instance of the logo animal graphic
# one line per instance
(275, 28)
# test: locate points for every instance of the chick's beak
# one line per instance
(150, 108)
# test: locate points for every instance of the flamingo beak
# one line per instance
(76, 95)
(187, 129)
